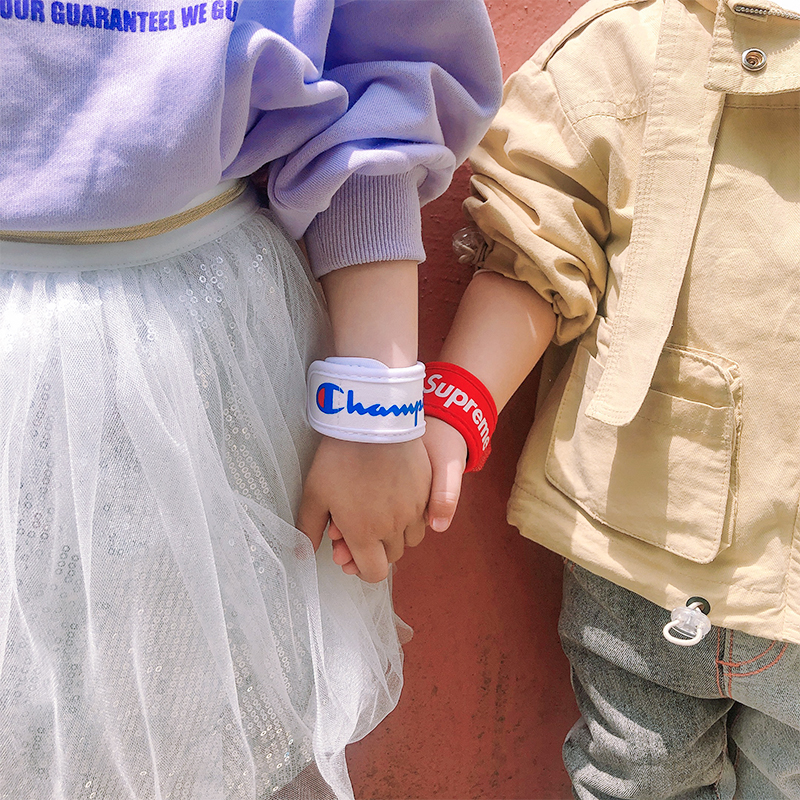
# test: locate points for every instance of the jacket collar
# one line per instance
(741, 25)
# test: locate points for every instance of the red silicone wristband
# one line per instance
(456, 396)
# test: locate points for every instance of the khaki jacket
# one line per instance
(646, 182)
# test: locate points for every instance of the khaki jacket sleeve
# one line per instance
(539, 199)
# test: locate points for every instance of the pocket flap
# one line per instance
(666, 477)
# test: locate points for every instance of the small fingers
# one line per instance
(394, 546)
(351, 568)
(447, 451)
(414, 534)
(333, 532)
(366, 560)
(312, 519)
(371, 560)
(445, 492)
(341, 553)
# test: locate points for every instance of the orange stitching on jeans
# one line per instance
(750, 660)
(755, 672)
(719, 644)
(730, 658)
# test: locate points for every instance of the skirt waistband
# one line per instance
(135, 246)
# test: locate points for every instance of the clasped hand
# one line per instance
(376, 499)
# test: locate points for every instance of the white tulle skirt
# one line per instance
(165, 631)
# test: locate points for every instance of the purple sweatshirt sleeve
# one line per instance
(362, 108)
(422, 82)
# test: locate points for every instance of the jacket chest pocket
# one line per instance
(666, 478)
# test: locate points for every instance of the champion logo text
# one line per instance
(327, 393)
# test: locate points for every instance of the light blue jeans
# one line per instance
(661, 722)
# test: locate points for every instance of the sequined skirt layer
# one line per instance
(165, 631)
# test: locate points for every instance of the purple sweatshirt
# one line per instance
(116, 115)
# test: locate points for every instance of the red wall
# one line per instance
(487, 701)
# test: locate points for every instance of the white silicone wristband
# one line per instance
(363, 400)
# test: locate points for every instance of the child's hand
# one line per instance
(374, 496)
(447, 452)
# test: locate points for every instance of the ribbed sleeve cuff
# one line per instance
(370, 218)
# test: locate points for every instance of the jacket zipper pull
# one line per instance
(690, 621)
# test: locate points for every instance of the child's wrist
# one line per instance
(363, 400)
(456, 396)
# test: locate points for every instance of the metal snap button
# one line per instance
(754, 60)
